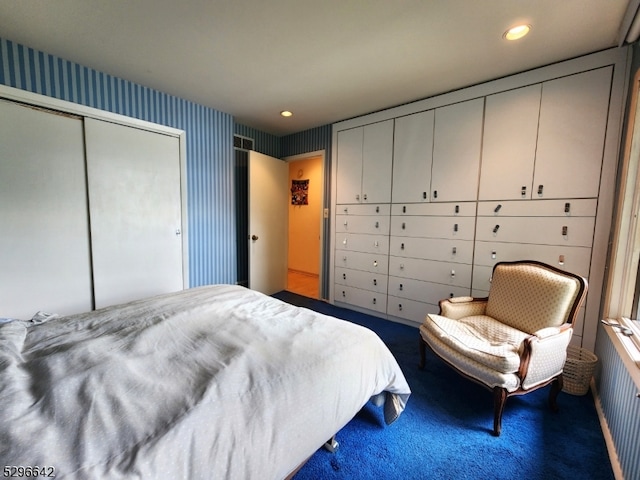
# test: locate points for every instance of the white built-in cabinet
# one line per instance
(509, 170)
(365, 171)
(91, 209)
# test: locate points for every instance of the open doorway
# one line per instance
(306, 184)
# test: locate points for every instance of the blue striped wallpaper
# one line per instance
(209, 134)
(264, 143)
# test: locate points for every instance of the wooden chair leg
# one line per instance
(423, 354)
(499, 400)
(556, 388)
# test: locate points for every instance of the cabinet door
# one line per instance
(509, 143)
(135, 203)
(44, 246)
(412, 155)
(349, 167)
(456, 151)
(377, 160)
(573, 120)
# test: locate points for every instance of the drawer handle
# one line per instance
(377, 224)
(400, 306)
(374, 300)
(404, 225)
(358, 196)
(495, 229)
(375, 244)
(455, 227)
(567, 207)
(453, 274)
(451, 295)
(344, 259)
(375, 281)
(375, 263)
(346, 223)
(493, 254)
(540, 190)
(401, 287)
(424, 195)
(404, 209)
(497, 209)
(454, 250)
(435, 194)
(377, 209)
(346, 210)
(457, 209)
(402, 266)
(561, 260)
(523, 192)
(344, 242)
(402, 246)
(565, 231)
(344, 293)
(344, 276)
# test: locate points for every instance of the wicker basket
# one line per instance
(578, 370)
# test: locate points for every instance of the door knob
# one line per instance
(254, 237)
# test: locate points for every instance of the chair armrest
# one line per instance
(460, 307)
(544, 354)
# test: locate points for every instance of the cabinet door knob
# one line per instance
(365, 196)
(435, 194)
(358, 196)
(523, 191)
(424, 195)
(540, 190)
(497, 209)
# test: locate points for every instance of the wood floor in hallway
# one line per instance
(303, 283)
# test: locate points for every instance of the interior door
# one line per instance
(135, 212)
(268, 223)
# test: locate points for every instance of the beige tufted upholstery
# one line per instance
(515, 340)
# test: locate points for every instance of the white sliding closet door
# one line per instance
(44, 242)
(135, 212)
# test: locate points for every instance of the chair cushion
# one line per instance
(481, 338)
(530, 297)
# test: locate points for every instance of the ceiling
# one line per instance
(325, 60)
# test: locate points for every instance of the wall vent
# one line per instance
(242, 143)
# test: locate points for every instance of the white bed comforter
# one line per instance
(208, 383)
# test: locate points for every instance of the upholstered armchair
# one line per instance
(513, 341)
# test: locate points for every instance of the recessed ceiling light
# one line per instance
(286, 113)
(514, 33)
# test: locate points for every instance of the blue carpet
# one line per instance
(445, 431)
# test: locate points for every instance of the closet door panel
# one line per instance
(349, 166)
(44, 246)
(377, 160)
(135, 212)
(412, 155)
(457, 142)
(509, 143)
(573, 120)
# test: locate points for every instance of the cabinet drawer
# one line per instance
(433, 227)
(460, 209)
(574, 231)
(373, 224)
(367, 262)
(431, 271)
(422, 291)
(366, 209)
(571, 259)
(361, 298)
(410, 309)
(362, 243)
(363, 280)
(458, 251)
(539, 208)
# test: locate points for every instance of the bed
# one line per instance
(210, 382)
